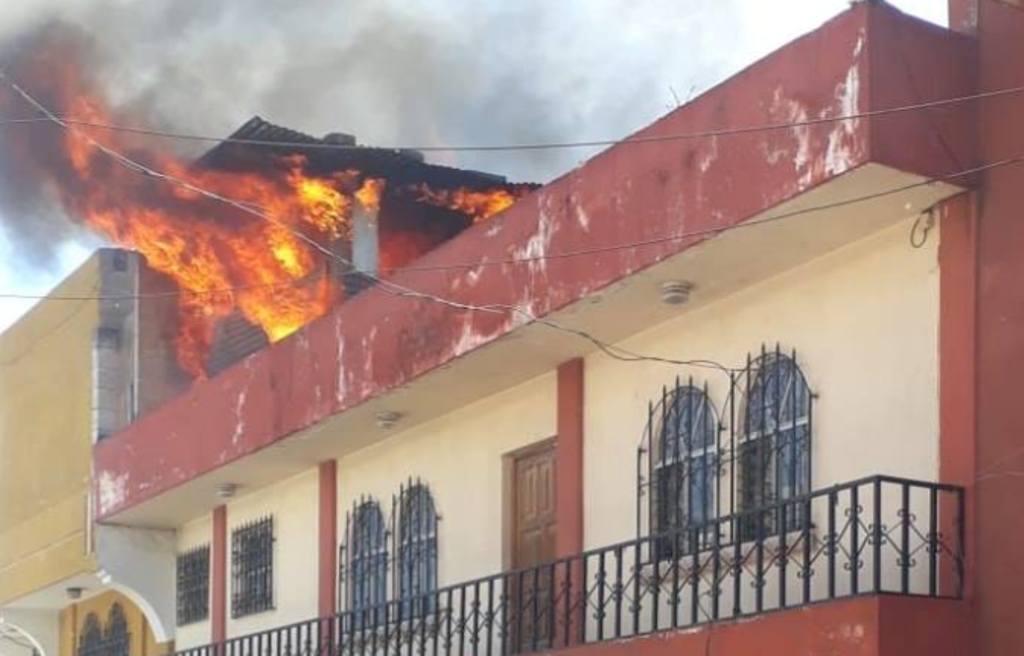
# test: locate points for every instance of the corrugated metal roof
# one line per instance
(398, 166)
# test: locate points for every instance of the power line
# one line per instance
(385, 285)
(553, 145)
(403, 291)
(595, 250)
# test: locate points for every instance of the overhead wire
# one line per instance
(385, 285)
(613, 351)
(595, 250)
(552, 145)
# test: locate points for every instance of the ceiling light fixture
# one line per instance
(676, 292)
(388, 418)
(227, 490)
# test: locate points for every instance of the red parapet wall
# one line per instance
(378, 342)
(865, 626)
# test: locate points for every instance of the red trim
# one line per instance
(958, 304)
(219, 578)
(569, 468)
(328, 537)
(569, 459)
(997, 526)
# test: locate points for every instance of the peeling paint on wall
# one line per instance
(841, 154)
(111, 490)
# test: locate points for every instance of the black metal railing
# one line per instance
(871, 536)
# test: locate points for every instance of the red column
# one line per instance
(569, 493)
(569, 459)
(219, 580)
(958, 266)
(328, 542)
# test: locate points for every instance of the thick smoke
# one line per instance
(390, 72)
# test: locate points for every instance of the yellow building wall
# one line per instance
(45, 438)
(72, 619)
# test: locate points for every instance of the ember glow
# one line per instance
(222, 258)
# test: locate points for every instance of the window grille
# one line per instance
(695, 466)
(91, 640)
(774, 452)
(252, 567)
(367, 562)
(193, 577)
(685, 467)
(112, 639)
(417, 549)
(115, 635)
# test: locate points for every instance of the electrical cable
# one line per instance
(396, 289)
(654, 241)
(385, 285)
(554, 145)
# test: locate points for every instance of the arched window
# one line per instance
(368, 557)
(91, 640)
(684, 468)
(776, 444)
(417, 549)
(115, 635)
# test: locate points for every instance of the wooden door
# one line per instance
(533, 542)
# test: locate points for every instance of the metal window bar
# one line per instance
(693, 465)
(415, 522)
(111, 639)
(252, 567)
(608, 604)
(193, 585)
(684, 464)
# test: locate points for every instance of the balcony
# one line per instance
(879, 535)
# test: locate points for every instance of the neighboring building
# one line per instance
(64, 382)
(790, 400)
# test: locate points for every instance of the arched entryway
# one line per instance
(107, 624)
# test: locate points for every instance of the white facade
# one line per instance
(864, 320)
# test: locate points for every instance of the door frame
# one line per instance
(508, 495)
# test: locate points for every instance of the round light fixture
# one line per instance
(676, 292)
(388, 418)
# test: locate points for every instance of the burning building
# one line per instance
(374, 210)
(767, 406)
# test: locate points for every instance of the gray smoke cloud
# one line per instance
(390, 72)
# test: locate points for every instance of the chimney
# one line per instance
(365, 247)
(114, 344)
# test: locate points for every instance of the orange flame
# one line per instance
(223, 260)
(480, 205)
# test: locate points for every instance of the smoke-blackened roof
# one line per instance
(398, 166)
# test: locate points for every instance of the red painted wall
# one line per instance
(866, 626)
(999, 480)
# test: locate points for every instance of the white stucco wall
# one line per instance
(293, 504)
(864, 321)
(194, 534)
(460, 457)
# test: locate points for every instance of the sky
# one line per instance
(413, 72)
